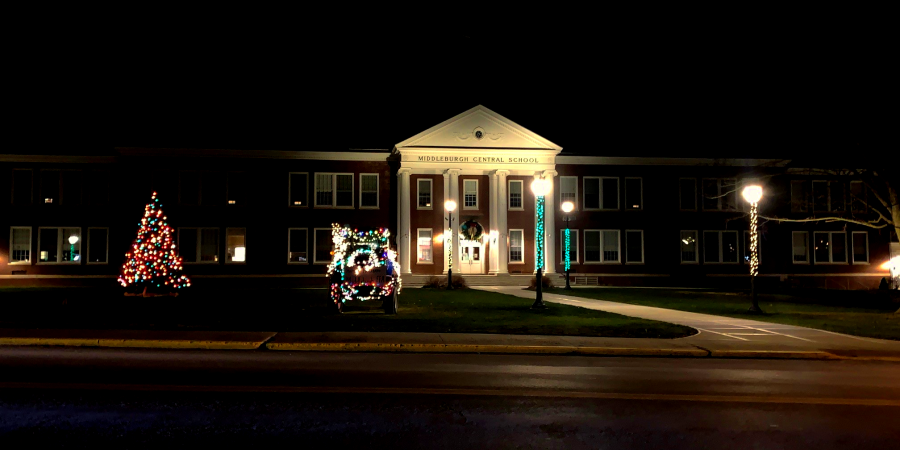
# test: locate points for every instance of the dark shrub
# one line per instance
(545, 283)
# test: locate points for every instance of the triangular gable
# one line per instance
(478, 127)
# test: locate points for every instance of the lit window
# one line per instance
(424, 193)
(235, 245)
(20, 248)
(470, 194)
(830, 247)
(689, 247)
(516, 246)
(59, 245)
(515, 194)
(424, 245)
(297, 245)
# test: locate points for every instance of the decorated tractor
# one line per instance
(363, 268)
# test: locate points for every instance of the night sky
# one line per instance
(755, 91)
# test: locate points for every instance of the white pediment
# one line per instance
(478, 128)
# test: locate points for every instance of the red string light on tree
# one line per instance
(153, 262)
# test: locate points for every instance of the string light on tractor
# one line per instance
(363, 266)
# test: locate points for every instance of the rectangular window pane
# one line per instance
(837, 196)
(688, 246)
(344, 196)
(592, 246)
(515, 246)
(71, 252)
(369, 190)
(710, 194)
(97, 188)
(688, 192)
(568, 188)
(610, 246)
(610, 193)
(297, 246)
(858, 197)
(711, 246)
(97, 242)
(515, 194)
(471, 193)
(838, 247)
(298, 188)
(20, 248)
(799, 196)
(50, 187)
(324, 194)
(190, 188)
(633, 193)
(820, 195)
(820, 247)
(424, 246)
(71, 187)
(187, 245)
(592, 193)
(209, 245)
(424, 189)
(237, 188)
(236, 245)
(860, 247)
(21, 187)
(213, 187)
(800, 243)
(728, 191)
(323, 245)
(729, 246)
(634, 246)
(49, 245)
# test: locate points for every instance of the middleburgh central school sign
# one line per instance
(478, 159)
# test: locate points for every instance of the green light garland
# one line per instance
(568, 252)
(539, 234)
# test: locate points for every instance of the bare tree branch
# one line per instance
(870, 224)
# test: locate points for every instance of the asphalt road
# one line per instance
(92, 396)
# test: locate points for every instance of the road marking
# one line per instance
(464, 391)
(748, 334)
(853, 337)
(723, 334)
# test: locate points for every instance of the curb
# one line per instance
(473, 348)
(132, 343)
(774, 354)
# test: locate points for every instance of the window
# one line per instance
(71, 187)
(236, 189)
(235, 245)
(828, 196)
(800, 247)
(633, 195)
(634, 246)
(515, 194)
(50, 187)
(424, 193)
(601, 193)
(568, 190)
(470, 194)
(688, 247)
(334, 190)
(368, 190)
(21, 186)
(323, 245)
(59, 245)
(97, 188)
(574, 254)
(424, 245)
(297, 246)
(601, 246)
(830, 247)
(516, 246)
(720, 247)
(199, 245)
(297, 189)
(719, 194)
(20, 245)
(98, 245)
(687, 190)
(799, 196)
(212, 189)
(860, 247)
(858, 200)
(189, 188)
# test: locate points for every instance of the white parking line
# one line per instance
(723, 334)
(779, 334)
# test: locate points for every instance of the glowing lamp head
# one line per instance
(893, 264)
(73, 239)
(540, 187)
(568, 206)
(752, 193)
(450, 205)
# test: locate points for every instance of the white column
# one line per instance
(493, 236)
(454, 228)
(550, 224)
(502, 231)
(447, 243)
(403, 237)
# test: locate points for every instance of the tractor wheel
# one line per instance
(391, 303)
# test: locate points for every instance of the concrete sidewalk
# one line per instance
(725, 336)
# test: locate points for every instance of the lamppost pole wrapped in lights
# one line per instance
(753, 194)
(567, 208)
(449, 205)
(540, 187)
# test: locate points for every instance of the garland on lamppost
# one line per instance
(754, 239)
(568, 243)
(539, 235)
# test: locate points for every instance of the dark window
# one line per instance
(21, 189)
(49, 250)
(71, 187)
(97, 241)
(860, 247)
(688, 191)
(344, 196)
(710, 194)
(424, 193)
(97, 188)
(837, 196)
(591, 194)
(213, 187)
(323, 246)
(368, 190)
(610, 193)
(858, 200)
(237, 188)
(799, 196)
(633, 193)
(299, 184)
(297, 246)
(187, 247)
(634, 246)
(820, 196)
(50, 187)
(190, 188)
(711, 246)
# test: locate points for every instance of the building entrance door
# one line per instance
(471, 257)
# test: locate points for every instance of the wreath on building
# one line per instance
(471, 230)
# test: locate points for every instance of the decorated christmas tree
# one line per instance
(152, 261)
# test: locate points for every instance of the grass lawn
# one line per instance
(858, 313)
(421, 310)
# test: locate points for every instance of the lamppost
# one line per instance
(449, 205)
(73, 239)
(567, 207)
(753, 194)
(540, 188)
